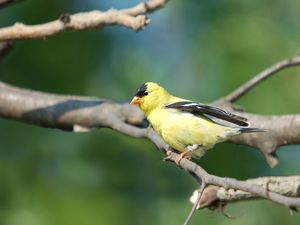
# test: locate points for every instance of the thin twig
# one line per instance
(236, 94)
(196, 204)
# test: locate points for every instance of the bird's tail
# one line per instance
(250, 129)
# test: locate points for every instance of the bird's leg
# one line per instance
(181, 156)
(190, 148)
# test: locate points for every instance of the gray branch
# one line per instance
(230, 183)
(66, 112)
(215, 196)
(280, 130)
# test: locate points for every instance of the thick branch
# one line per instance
(242, 90)
(130, 18)
(214, 196)
(67, 112)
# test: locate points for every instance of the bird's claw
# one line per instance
(181, 156)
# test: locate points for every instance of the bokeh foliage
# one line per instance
(197, 49)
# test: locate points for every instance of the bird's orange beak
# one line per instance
(135, 101)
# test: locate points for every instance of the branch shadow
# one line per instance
(49, 116)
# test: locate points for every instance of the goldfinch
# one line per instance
(187, 126)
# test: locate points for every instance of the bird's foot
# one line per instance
(181, 156)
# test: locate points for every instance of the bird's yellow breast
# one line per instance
(180, 129)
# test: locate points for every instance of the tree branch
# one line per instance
(214, 196)
(242, 90)
(130, 18)
(230, 183)
(67, 112)
(280, 130)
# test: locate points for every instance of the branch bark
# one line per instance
(280, 130)
(130, 18)
(215, 196)
(66, 112)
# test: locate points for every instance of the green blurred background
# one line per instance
(197, 49)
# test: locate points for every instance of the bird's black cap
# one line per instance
(142, 91)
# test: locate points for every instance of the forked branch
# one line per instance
(216, 196)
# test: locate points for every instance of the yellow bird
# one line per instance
(187, 126)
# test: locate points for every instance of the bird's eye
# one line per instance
(145, 93)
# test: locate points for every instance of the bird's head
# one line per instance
(150, 96)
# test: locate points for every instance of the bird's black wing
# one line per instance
(196, 108)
